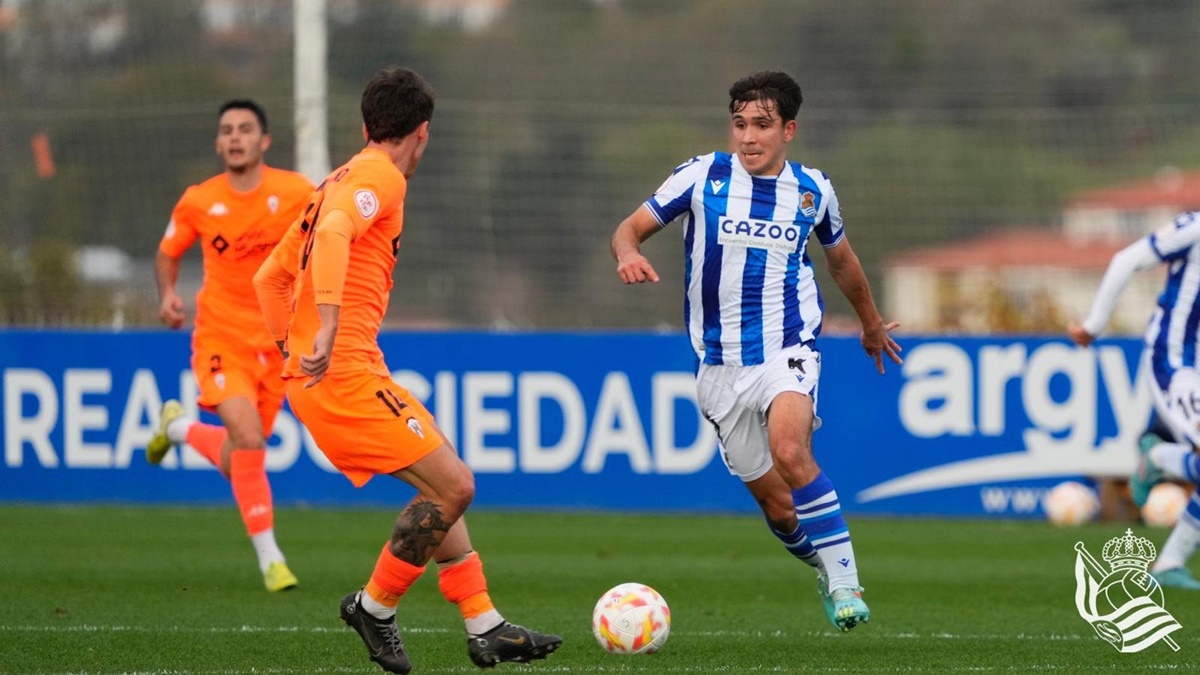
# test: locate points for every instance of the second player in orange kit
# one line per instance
(237, 217)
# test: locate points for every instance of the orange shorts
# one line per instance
(224, 371)
(365, 423)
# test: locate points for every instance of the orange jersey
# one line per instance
(237, 231)
(368, 191)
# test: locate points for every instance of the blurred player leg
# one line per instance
(206, 439)
(1147, 473)
(162, 440)
(244, 453)
(244, 467)
(1170, 568)
(1176, 460)
(1158, 459)
(175, 428)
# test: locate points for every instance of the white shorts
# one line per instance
(735, 400)
(1179, 405)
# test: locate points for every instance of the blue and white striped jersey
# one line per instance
(1172, 335)
(749, 281)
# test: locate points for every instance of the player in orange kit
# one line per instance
(337, 263)
(238, 217)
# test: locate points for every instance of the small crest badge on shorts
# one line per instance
(367, 203)
(220, 380)
(415, 427)
(1124, 603)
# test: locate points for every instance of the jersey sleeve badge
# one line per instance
(367, 203)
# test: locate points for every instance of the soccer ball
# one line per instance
(1164, 504)
(1071, 503)
(631, 619)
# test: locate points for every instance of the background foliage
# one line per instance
(936, 120)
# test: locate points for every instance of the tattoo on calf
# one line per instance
(419, 530)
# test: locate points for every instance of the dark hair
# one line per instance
(767, 85)
(246, 104)
(395, 102)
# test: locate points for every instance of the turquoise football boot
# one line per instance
(1147, 473)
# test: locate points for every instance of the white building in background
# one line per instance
(1036, 280)
(1125, 212)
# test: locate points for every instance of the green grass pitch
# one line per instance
(91, 589)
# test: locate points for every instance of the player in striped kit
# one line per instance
(1172, 339)
(753, 312)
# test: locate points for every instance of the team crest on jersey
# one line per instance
(367, 203)
(808, 205)
(415, 427)
(273, 203)
(218, 209)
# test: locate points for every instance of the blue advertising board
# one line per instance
(969, 427)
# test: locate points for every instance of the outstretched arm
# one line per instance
(1137, 256)
(626, 246)
(847, 273)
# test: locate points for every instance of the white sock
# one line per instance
(1170, 458)
(373, 607)
(481, 624)
(843, 573)
(266, 548)
(1180, 545)
(177, 429)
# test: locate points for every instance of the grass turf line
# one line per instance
(92, 589)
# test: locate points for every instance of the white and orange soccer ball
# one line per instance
(631, 619)
(1165, 504)
(1071, 503)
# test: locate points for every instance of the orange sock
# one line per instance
(247, 472)
(462, 583)
(391, 578)
(207, 439)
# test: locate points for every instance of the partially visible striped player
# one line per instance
(1172, 339)
(753, 313)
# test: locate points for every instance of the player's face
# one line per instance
(760, 138)
(240, 140)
